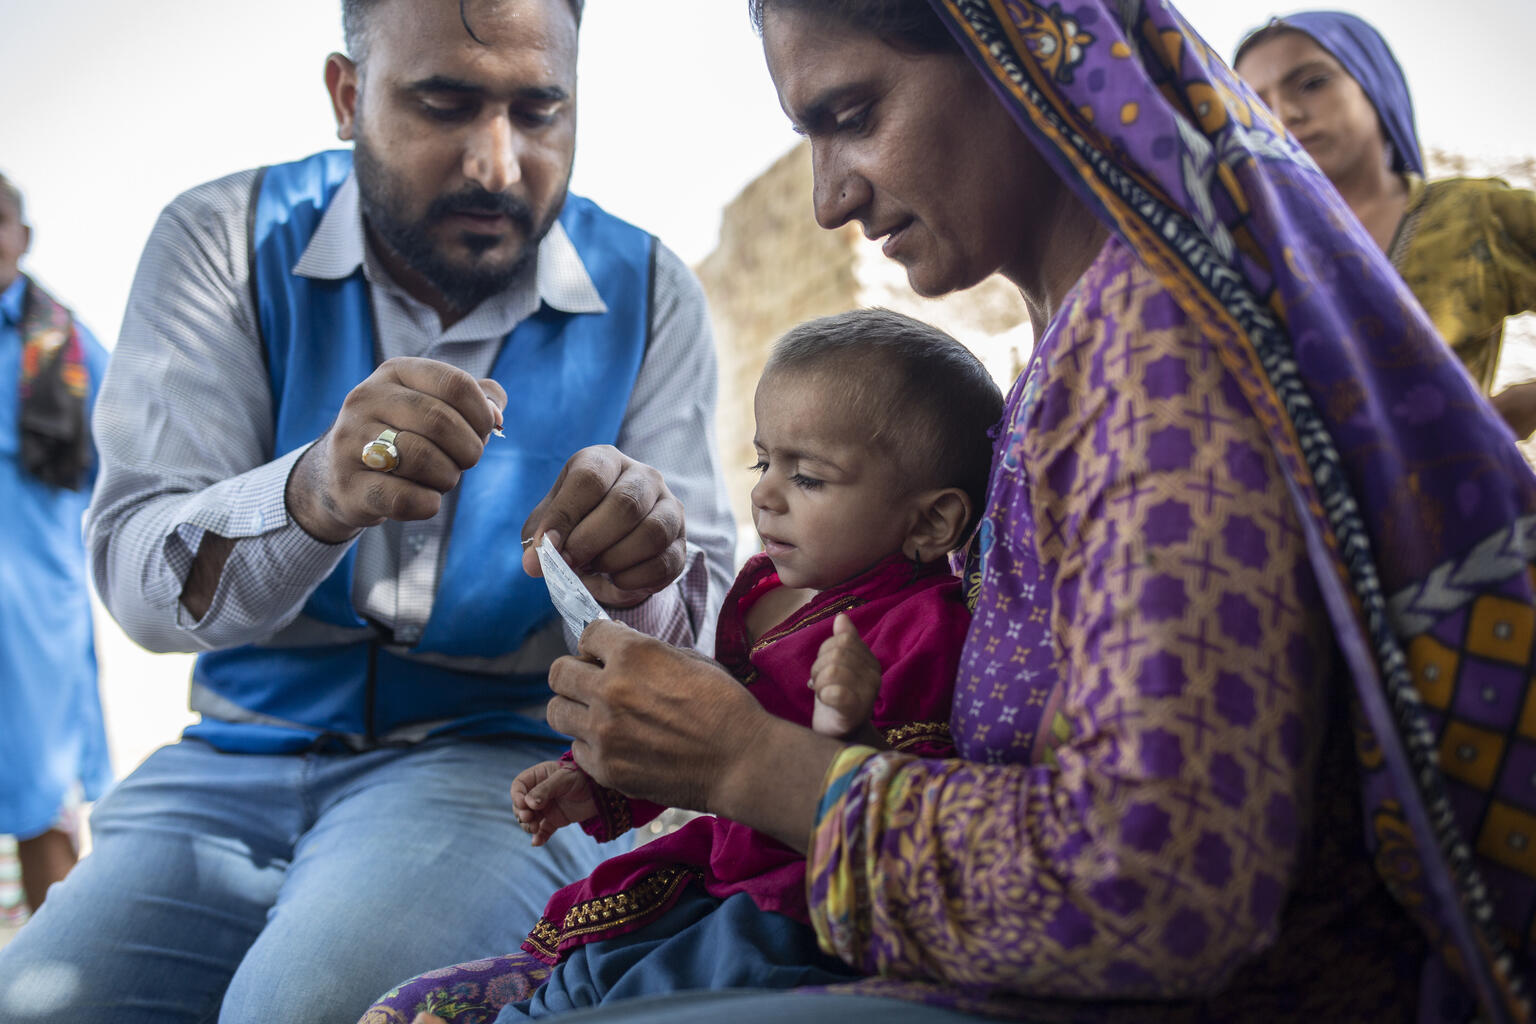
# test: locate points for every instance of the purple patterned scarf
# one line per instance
(1420, 514)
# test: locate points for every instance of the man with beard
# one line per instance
(300, 480)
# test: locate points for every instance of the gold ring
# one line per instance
(381, 453)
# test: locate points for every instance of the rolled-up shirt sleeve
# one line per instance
(184, 428)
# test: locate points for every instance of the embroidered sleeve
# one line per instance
(616, 813)
(918, 645)
(835, 879)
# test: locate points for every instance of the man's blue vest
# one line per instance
(568, 379)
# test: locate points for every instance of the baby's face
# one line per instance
(827, 507)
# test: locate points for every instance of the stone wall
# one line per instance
(775, 267)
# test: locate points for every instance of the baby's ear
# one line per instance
(938, 525)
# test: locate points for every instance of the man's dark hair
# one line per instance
(354, 23)
(909, 25)
(926, 398)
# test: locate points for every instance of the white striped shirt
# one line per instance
(185, 429)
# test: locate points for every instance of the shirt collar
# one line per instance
(337, 250)
(11, 299)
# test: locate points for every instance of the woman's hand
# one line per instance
(666, 725)
(549, 796)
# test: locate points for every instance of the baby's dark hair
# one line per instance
(927, 399)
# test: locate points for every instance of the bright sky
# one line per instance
(113, 108)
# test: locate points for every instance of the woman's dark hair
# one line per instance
(1263, 34)
(925, 398)
(909, 25)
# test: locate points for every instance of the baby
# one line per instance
(873, 453)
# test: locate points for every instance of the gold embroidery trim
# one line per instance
(905, 737)
(614, 810)
(640, 900)
(842, 604)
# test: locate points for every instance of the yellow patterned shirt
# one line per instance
(1467, 250)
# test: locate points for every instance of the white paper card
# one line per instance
(572, 599)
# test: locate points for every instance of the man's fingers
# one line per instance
(385, 496)
(582, 485)
(496, 395)
(423, 462)
(634, 520)
(409, 395)
(441, 424)
(651, 555)
(447, 383)
(613, 517)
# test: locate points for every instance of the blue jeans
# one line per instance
(701, 943)
(745, 1006)
(243, 888)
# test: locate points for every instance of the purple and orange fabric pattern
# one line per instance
(1143, 707)
(1404, 497)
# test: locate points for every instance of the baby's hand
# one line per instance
(550, 796)
(846, 678)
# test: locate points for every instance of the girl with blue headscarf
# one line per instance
(1466, 247)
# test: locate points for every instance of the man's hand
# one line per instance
(616, 524)
(846, 679)
(443, 417)
(549, 796)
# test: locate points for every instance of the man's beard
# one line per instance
(383, 201)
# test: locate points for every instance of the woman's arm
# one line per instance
(1149, 848)
(1153, 851)
(676, 729)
